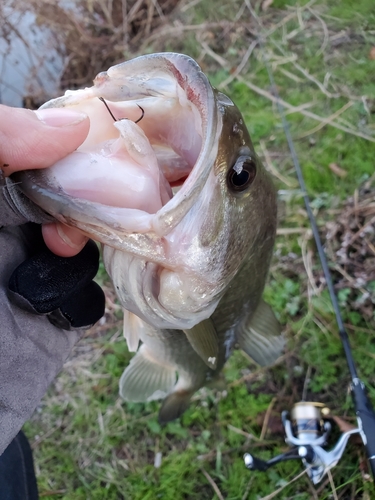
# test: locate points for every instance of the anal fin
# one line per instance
(203, 339)
(260, 336)
(144, 379)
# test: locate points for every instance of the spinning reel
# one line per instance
(307, 432)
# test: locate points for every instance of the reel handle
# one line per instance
(254, 463)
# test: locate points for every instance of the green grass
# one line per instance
(90, 445)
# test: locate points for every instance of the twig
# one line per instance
(355, 236)
(101, 423)
(210, 52)
(280, 24)
(312, 489)
(267, 418)
(244, 496)
(299, 17)
(272, 169)
(135, 8)
(213, 484)
(286, 19)
(170, 31)
(188, 6)
(49, 433)
(150, 15)
(242, 433)
(332, 485)
(320, 324)
(49, 493)
(241, 66)
(306, 257)
(286, 231)
(314, 80)
(278, 60)
(325, 31)
(349, 278)
(159, 9)
(327, 120)
(299, 108)
(285, 104)
(290, 75)
(276, 492)
(358, 328)
(125, 24)
(306, 383)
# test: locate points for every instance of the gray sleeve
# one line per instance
(16, 208)
(32, 351)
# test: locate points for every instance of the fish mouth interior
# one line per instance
(173, 129)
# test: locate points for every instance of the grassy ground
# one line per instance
(90, 445)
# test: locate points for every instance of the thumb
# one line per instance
(37, 139)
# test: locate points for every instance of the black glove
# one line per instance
(60, 287)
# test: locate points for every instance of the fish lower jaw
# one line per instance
(156, 315)
(158, 310)
(162, 297)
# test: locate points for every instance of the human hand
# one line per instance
(43, 287)
(37, 139)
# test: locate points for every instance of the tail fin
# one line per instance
(174, 406)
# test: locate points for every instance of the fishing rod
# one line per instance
(307, 431)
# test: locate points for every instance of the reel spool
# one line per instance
(307, 432)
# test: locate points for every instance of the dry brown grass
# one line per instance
(90, 35)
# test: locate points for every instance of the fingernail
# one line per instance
(60, 117)
(71, 237)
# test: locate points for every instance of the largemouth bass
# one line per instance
(186, 214)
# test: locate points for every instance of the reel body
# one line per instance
(307, 432)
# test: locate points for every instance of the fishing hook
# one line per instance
(113, 116)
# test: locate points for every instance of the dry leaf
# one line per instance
(338, 170)
(266, 4)
(372, 52)
(275, 425)
(346, 426)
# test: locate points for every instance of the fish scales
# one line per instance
(186, 214)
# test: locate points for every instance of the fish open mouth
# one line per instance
(137, 164)
(134, 173)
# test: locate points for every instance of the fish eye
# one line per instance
(242, 174)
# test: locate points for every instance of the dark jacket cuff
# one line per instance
(16, 208)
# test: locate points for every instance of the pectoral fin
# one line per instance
(260, 336)
(144, 379)
(203, 340)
